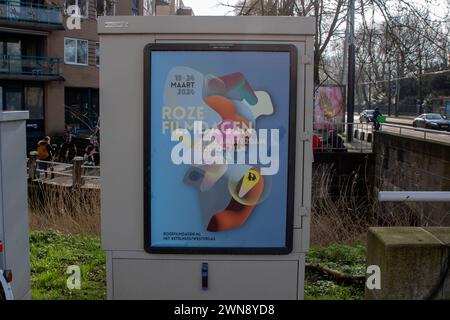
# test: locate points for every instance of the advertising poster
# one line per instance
(329, 107)
(219, 138)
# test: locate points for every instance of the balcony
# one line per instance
(15, 13)
(16, 67)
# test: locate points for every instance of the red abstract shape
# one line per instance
(234, 81)
(225, 108)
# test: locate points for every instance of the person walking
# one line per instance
(335, 142)
(68, 149)
(375, 119)
(45, 153)
(89, 156)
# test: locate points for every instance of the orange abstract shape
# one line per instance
(235, 214)
(225, 108)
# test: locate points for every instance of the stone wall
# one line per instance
(411, 164)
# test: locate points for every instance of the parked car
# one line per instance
(366, 116)
(431, 121)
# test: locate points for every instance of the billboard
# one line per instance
(329, 107)
(219, 148)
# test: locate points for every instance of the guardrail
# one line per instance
(30, 65)
(333, 137)
(14, 10)
(75, 172)
(414, 196)
(424, 133)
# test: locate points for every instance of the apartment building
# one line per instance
(52, 70)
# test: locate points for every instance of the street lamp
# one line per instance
(351, 71)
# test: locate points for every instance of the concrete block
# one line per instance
(411, 262)
(356, 135)
(369, 137)
(362, 135)
(443, 235)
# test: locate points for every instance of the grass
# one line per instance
(52, 252)
(71, 211)
(337, 222)
(348, 259)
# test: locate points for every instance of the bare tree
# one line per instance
(331, 15)
(406, 43)
(394, 37)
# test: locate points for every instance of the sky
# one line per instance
(209, 7)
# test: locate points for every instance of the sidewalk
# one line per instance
(401, 120)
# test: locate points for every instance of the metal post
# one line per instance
(32, 165)
(77, 180)
(389, 89)
(351, 72)
(414, 196)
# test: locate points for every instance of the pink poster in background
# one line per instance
(329, 107)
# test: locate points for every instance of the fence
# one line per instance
(31, 12)
(425, 134)
(333, 137)
(30, 65)
(73, 174)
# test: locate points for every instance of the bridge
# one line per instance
(398, 157)
(69, 175)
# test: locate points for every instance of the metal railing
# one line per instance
(30, 12)
(333, 137)
(30, 65)
(75, 174)
(425, 134)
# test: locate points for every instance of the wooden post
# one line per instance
(77, 180)
(32, 165)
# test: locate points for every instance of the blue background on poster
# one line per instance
(175, 206)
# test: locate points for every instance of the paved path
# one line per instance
(404, 127)
(400, 120)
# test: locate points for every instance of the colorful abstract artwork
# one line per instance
(233, 201)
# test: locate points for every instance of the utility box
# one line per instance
(206, 155)
(13, 201)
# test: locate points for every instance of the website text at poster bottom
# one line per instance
(186, 236)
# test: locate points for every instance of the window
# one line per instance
(26, 97)
(148, 8)
(81, 108)
(135, 7)
(75, 51)
(34, 102)
(434, 117)
(97, 54)
(82, 4)
(13, 100)
(106, 7)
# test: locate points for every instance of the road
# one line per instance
(403, 126)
